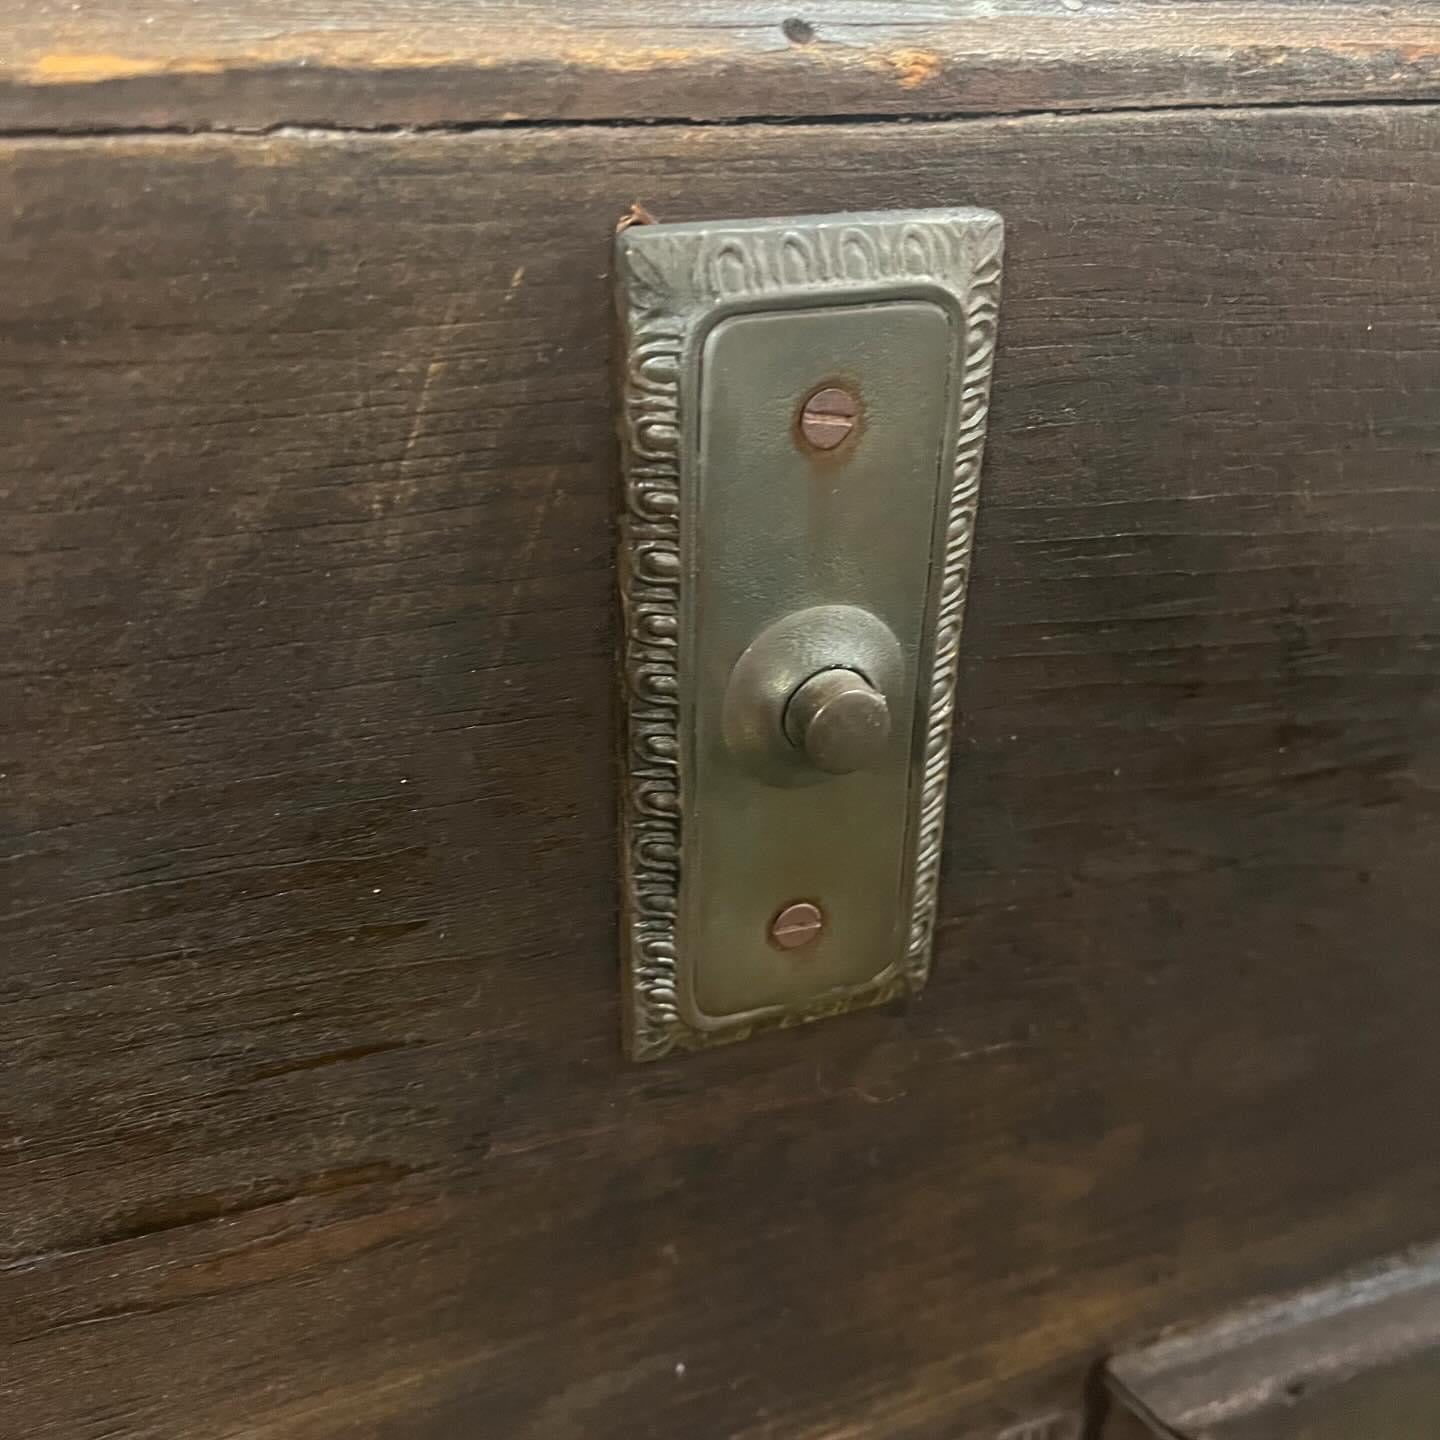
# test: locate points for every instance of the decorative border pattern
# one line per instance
(981, 302)
(672, 280)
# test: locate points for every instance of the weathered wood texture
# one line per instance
(315, 1121)
(213, 63)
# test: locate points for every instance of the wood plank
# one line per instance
(366, 63)
(315, 1119)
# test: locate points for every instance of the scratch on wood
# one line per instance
(1047, 1427)
(260, 1263)
(179, 1212)
(333, 1057)
(417, 421)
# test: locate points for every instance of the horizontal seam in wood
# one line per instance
(300, 129)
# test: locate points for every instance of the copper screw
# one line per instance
(828, 417)
(796, 925)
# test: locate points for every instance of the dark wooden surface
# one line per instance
(314, 1118)
(361, 63)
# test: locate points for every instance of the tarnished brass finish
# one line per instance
(804, 407)
(839, 720)
(771, 702)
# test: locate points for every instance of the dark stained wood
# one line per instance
(365, 63)
(315, 1122)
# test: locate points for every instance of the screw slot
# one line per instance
(799, 923)
(828, 417)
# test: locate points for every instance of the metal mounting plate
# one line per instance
(736, 525)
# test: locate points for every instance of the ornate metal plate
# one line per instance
(804, 408)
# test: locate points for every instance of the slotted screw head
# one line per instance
(828, 417)
(797, 924)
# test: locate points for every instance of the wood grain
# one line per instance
(363, 63)
(315, 1122)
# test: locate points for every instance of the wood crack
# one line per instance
(298, 128)
(182, 1212)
